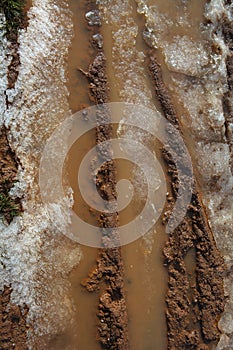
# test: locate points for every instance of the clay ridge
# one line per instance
(227, 33)
(194, 303)
(107, 275)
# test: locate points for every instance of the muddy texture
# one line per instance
(8, 170)
(227, 32)
(16, 18)
(194, 302)
(107, 275)
(13, 328)
(13, 72)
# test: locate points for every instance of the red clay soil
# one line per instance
(194, 303)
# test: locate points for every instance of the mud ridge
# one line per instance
(227, 33)
(194, 305)
(107, 275)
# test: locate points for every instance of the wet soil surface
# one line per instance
(107, 275)
(15, 62)
(12, 321)
(194, 303)
(13, 329)
(227, 31)
(9, 163)
(8, 170)
(12, 37)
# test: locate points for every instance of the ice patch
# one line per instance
(36, 259)
(185, 56)
(4, 62)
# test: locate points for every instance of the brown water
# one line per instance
(80, 56)
(85, 302)
(145, 275)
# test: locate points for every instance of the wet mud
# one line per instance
(12, 320)
(195, 296)
(227, 31)
(107, 275)
(194, 303)
(13, 328)
(9, 207)
(15, 62)
(13, 36)
(9, 163)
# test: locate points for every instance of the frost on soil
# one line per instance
(35, 258)
(3, 66)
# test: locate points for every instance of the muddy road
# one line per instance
(164, 69)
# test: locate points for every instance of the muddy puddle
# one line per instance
(80, 55)
(160, 291)
(145, 278)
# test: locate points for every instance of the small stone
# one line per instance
(93, 18)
